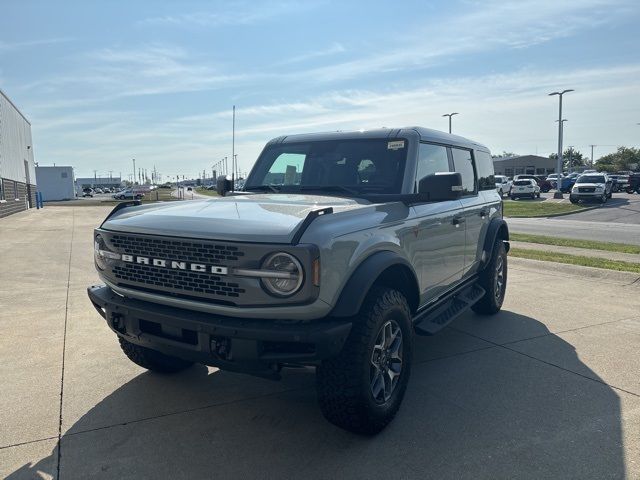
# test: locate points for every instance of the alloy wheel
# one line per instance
(499, 278)
(386, 361)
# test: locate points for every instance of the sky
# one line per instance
(104, 82)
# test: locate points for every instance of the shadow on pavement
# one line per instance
(476, 410)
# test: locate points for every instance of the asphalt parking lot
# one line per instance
(548, 388)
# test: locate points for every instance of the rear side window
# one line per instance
(463, 164)
(484, 166)
(431, 159)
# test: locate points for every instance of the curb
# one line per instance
(566, 269)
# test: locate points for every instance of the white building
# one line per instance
(17, 170)
(55, 183)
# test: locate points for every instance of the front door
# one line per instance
(438, 244)
(28, 181)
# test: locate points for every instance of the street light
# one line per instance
(450, 115)
(558, 193)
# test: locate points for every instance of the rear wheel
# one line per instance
(361, 389)
(152, 359)
(494, 281)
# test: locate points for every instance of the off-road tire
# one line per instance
(343, 383)
(575, 201)
(492, 300)
(152, 359)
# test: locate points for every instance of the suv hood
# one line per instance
(268, 218)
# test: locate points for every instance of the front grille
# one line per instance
(587, 189)
(180, 250)
(186, 281)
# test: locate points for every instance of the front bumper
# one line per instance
(253, 346)
(586, 195)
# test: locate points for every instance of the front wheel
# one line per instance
(493, 279)
(152, 359)
(361, 390)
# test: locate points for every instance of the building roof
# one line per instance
(14, 106)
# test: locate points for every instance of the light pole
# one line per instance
(134, 171)
(450, 115)
(592, 146)
(558, 193)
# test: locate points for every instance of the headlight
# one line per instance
(102, 254)
(282, 274)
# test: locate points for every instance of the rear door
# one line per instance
(475, 211)
(438, 244)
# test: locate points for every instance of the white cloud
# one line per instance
(13, 46)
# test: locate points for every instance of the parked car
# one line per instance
(128, 194)
(525, 188)
(542, 182)
(87, 192)
(634, 183)
(592, 186)
(503, 185)
(325, 268)
(620, 183)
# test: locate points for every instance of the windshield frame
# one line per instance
(352, 191)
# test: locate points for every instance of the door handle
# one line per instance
(457, 220)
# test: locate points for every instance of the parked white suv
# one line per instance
(524, 188)
(503, 185)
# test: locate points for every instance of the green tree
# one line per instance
(505, 155)
(576, 157)
(624, 159)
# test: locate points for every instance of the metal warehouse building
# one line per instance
(17, 170)
(524, 164)
(55, 183)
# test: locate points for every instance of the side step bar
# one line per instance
(443, 313)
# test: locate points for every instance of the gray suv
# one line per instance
(340, 247)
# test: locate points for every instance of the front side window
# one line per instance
(431, 159)
(463, 164)
(351, 167)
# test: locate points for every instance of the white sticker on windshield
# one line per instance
(396, 145)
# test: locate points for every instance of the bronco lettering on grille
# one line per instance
(160, 262)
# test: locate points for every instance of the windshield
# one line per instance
(591, 179)
(349, 167)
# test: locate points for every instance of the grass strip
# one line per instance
(575, 260)
(570, 242)
(532, 208)
(204, 191)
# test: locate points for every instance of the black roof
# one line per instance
(426, 134)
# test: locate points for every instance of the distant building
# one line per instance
(17, 170)
(524, 164)
(55, 183)
(97, 182)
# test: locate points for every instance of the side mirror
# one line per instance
(223, 185)
(440, 186)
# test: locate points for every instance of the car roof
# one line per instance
(424, 134)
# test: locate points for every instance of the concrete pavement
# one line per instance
(548, 388)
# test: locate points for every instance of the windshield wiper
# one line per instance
(329, 188)
(262, 188)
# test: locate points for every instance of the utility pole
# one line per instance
(450, 115)
(558, 193)
(592, 159)
(134, 171)
(233, 150)
(570, 157)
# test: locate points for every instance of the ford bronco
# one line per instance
(339, 249)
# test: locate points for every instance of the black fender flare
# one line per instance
(362, 279)
(497, 230)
